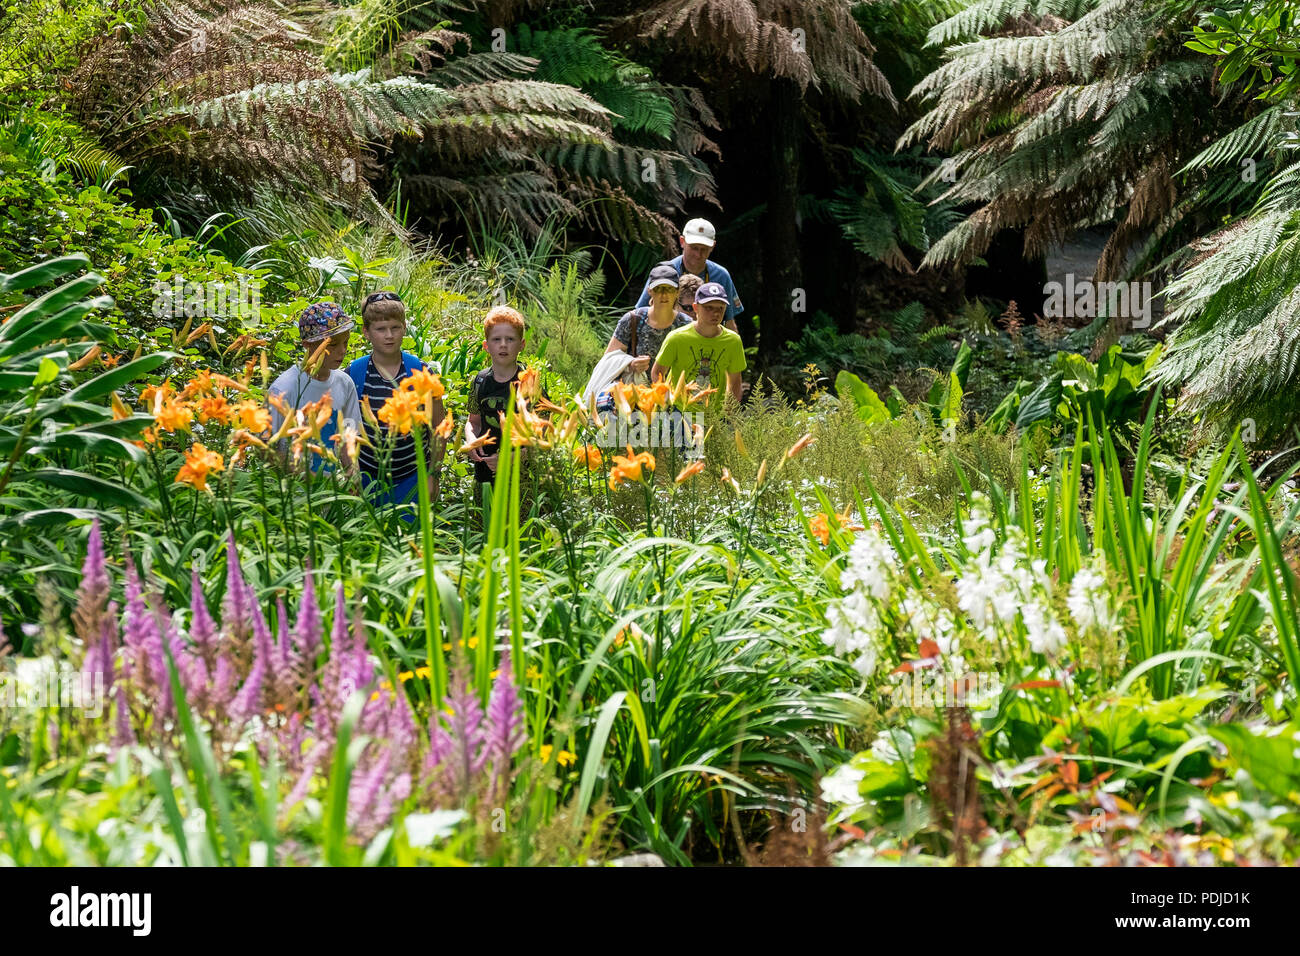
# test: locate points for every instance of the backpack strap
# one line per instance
(411, 363)
(357, 371)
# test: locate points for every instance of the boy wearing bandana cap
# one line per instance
(321, 322)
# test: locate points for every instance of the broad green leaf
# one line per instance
(866, 402)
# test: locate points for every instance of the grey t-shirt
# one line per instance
(648, 338)
(299, 389)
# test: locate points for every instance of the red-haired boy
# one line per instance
(489, 392)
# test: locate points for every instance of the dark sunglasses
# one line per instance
(379, 297)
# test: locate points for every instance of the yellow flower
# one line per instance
(564, 758)
(473, 642)
(532, 673)
(198, 463)
(494, 673)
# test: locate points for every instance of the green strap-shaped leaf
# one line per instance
(43, 273)
(80, 483)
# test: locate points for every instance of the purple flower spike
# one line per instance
(505, 717)
(283, 639)
(307, 632)
(465, 725)
(92, 594)
(203, 630)
(237, 611)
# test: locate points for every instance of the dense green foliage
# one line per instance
(957, 582)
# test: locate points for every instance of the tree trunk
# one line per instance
(782, 302)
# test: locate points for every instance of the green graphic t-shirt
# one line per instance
(706, 361)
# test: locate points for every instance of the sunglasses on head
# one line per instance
(379, 297)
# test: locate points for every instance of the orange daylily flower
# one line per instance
(151, 395)
(646, 401)
(695, 394)
(481, 442)
(401, 412)
(631, 468)
(529, 383)
(368, 412)
(199, 462)
(623, 396)
(216, 409)
(174, 416)
(799, 446)
(85, 360)
(728, 480)
(424, 384)
(200, 384)
(243, 343)
(198, 333)
(444, 428)
(225, 381)
(347, 439)
(253, 417)
(588, 455)
(690, 471)
(821, 528)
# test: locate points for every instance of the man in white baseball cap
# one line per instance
(697, 241)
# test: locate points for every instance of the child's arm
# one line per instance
(476, 429)
(733, 385)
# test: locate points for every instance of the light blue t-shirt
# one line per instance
(712, 273)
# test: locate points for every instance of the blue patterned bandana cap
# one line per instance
(323, 320)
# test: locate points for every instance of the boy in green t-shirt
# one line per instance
(711, 356)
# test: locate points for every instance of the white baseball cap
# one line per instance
(701, 231)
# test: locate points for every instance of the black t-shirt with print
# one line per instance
(489, 399)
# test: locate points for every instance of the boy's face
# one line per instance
(504, 343)
(686, 303)
(709, 316)
(336, 350)
(385, 335)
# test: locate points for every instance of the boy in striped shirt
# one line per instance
(388, 462)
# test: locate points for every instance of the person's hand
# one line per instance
(640, 363)
(491, 462)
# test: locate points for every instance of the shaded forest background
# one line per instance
(886, 177)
